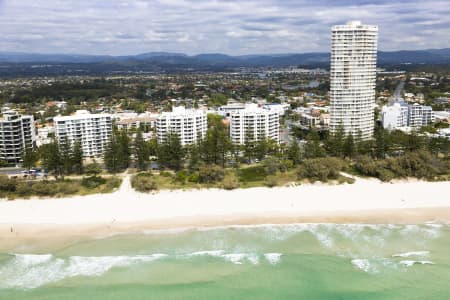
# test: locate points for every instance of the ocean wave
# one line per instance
(214, 253)
(413, 253)
(362, 264)
(373, 265)
(237, 258)
(240, 258)
(410, 263)
(28, 271)
(376, 265)
(273, 258)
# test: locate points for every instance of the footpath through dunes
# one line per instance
(365, 201)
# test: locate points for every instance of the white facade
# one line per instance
(43, 135)
(279, 108)
(352, 78)
(92, 130)
(395, 116)
(254, 122)
(420, 115)
(401, 115)
(16, 133)
(227, 110)
(189, 124)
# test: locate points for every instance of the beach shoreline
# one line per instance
(129, 212)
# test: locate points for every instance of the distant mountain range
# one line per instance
(432, 56)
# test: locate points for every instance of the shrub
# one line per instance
(181, 176)
(24, 188)
(420, 164)
(255, 173)
(92, 182)
(271, 165)
(66, 187)
(93, 169)
(7, 184)
(44, 188)
(193, 177)
(144, 182)
(271, 181)
(113, 183)
(230, 182)
(286, 164)
(210, 174)
(385, 174)
(322, 169)
(165, 174)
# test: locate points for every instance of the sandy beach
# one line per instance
(127, 211)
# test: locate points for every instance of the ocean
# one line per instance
(298, 261)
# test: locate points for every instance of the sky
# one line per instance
(235, 27)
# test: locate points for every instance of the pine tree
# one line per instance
(51, 158)
(312, 148)
(66, 156)
(171, 152)
(261, 148)
(29, 158)
(295, 153)
(124, 149)
(216, 145)
(381, 143)
(349, 146)
(111, 155)
(141, 153)
(77, 157)
(249, 145)
(194, 157)
(335, 142)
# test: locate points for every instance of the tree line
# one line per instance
(216, 149)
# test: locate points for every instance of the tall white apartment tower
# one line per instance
(92, 130)
(352, 78)
(255, 123)
(17, 133)
(189, 124)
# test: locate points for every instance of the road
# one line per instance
(398, 90)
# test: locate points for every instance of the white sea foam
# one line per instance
(214, 253)
(27, 271)
(410, 263)
(273, 258)
(373, 265)
(32, 259)
(413, 253)
(240, 258)
(362, 264)
(237, 258)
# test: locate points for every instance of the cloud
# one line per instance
(199, 26)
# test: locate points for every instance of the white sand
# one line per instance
(128, 206)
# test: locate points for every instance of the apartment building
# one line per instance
(352, 78)
(92, 130)
(17, 133)
(395, 115)
(401, 115)
(189, 124)
(419, 115)
(254, 122)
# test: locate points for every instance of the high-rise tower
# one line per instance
(353, 78)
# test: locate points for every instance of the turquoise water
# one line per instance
(304, 261)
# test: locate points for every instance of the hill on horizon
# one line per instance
(429, 56)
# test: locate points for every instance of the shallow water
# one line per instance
(307, 261)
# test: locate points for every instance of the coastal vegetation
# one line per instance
(12, 188)
(390, 155)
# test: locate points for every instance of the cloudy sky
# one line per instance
(120, 27)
